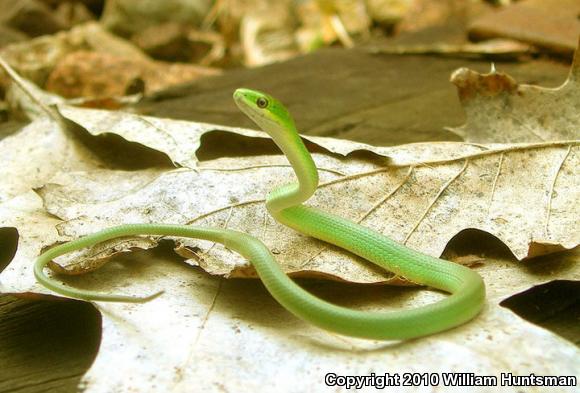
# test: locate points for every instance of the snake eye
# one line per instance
(262, 102)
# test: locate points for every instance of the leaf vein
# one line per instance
(441, 190)
(551, 192)
(494, 186)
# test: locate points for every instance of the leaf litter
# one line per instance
(421, 195)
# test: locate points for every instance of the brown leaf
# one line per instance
(35, 59)
(91, 74)
(500, 110)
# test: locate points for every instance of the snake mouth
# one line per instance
(245, 100)
(243, 97)
(239, 95)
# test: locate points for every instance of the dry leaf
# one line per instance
(36, 58)
(30, 158)
(209, 334)
(501, 110)
(85, 73)
(429, 192)
(422, 206)
(496, 48)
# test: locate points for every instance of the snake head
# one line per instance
(266, 111)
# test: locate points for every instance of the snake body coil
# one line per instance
(466, 288)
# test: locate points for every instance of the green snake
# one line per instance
(465, 287)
